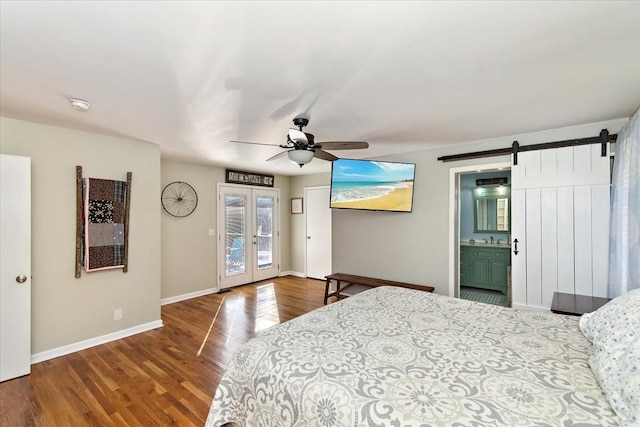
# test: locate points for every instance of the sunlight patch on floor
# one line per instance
(206, 337)
(267, 313)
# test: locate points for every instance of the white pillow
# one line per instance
(619, 313)
(614, 330)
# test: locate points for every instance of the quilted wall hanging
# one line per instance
(102, 243)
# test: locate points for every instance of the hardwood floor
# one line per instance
(166, 376)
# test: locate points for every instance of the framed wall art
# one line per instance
(296, 205)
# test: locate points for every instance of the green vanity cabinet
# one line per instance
(484, 267)
(464, 265)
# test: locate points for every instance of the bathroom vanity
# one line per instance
(485, 265)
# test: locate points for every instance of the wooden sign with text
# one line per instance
(248, 178)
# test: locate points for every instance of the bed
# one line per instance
(398, 357)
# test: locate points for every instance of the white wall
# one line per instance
(298, 233)
(414, 247)
(70, 313)
(188, 252)
(66, 310)
(189, 264)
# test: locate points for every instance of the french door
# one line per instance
(248, 235)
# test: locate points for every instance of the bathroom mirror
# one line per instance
(492, 209)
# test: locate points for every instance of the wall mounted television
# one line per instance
(372, 185)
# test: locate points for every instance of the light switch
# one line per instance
(212, 232)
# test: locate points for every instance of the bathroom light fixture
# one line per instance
(491, 182)
(300, 157)
(80, 104)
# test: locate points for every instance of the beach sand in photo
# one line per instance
(397, 200)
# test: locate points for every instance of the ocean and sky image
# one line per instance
(367, 184)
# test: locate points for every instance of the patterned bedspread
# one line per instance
(399, 357)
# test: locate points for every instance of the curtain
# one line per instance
(624, 248)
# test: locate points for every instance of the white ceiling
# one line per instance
(404, 76)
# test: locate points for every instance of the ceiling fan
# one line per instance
(301, 147)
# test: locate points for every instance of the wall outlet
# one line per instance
(117, 314)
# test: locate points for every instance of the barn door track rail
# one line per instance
(516, 148)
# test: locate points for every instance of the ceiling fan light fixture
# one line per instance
(301, 147)
(300, 157)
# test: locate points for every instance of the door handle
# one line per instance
(21, 278)
(515, 246)
(308, 237)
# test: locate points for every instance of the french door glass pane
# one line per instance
(264, 234)
(235, 207)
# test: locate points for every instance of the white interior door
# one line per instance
(248, 234)
(318, 232)
(560, 220)
(15, 266)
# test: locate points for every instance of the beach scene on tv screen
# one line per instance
(371, 185)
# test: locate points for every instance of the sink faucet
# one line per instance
(491, 239)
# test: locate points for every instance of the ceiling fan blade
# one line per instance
(343, 145)
(324, 155)
(298, 136)
(256, 143)
(277, 155)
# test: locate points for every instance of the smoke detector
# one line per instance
(80, 104)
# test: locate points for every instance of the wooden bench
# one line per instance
(351, 279)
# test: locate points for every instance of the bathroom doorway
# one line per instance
(480, 254)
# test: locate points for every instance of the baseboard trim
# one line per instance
(530, 307)
(292, 273)
(92, 342)
(190, 295)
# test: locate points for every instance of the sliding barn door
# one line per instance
(560, 224)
